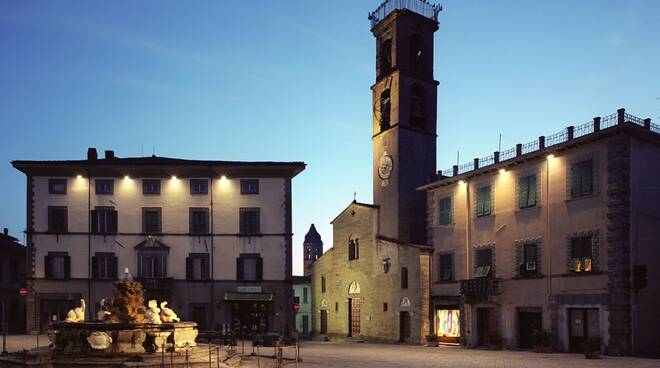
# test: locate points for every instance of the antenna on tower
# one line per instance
(458, 160)
(499, 145)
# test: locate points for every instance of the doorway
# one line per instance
(404, 327)
(354, 317)
(486, 326)
(582, 324)
(324, 322)
(250, 316)
(199, 312)
(528, 322)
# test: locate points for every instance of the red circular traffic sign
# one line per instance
(296, 307)
(23, 292)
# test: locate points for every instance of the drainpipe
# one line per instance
(548, 232)
(467, 253)
(89, 243)
(212, 304)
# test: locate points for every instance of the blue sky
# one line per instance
(289, 80)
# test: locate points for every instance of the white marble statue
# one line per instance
(103, 312)
(99, 340)
(77, 314)
(166, 314)
(153, 312)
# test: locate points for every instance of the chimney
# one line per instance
(6, 231)
(91, 154)
(109, 154)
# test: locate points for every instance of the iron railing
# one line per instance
(421, 7)
(554, 139)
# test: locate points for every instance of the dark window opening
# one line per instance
(446, 267)
(484, 262)
(104, 186)
(198, 266)
(581, 254)
(417, 105)
(199, 220)
(199, 186)
(57, 186)
(417, 53)
(385, 106)
(384, 307)
(151, 186)
(528, 259)
(249, 267)
(57, 266)
(104, 266)
(152, 264)
(151, 220)
(353, 249)
(582, 180)
(104, 220)
(305, 296)
(445, 216)
(249, 186)
(484, 204)
(385, 57)
(249, 221)
(404, 277)
(57, 219)
(323, 284)
(527, 191)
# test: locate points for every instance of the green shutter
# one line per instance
(587, 177)
(523, 190)
(487, 200)
(445, 211)
(520, 259)
(531, 196)
(576, 181)
(480, 203)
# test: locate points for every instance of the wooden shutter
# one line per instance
(523, 192)
(206, 267)
(67, 267)
(95, 267)
(239, 268)
(487, 201)
(93, 218)
(257, 220)
(48, 272)
(113, 223)
(587, 177)
(189, 268)
(480, 202)
(576, 181)
(260, 269)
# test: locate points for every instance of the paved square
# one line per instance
(335, 355)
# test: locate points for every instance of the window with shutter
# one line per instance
(582, 179)
(151, 220)
(250, 267)
(199, 186)
(104, 266)
(199, 220)
(484, 262)
(527, 191)
(104, 220)
(483, 201)
(581, 254)
(58, 266)
(57, 219)
(57, 186)
(151, 186)
(445, 214)
(197, 266)
(446, 267)
(249, 186)
(104, 186)
(527, 259)
(249, 222)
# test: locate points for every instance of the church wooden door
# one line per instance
(354, 317)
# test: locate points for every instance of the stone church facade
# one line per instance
(374, 283)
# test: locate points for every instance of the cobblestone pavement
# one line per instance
(335, 355)
(27, 342)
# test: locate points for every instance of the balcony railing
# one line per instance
(480, 289)
(421, 7)
(563, 136)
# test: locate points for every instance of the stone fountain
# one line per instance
(126, 334)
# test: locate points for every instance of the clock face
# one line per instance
(385, 167)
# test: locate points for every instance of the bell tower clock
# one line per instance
(404, 116)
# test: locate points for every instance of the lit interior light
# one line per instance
(126, 177)
(223, 177)
(502, 170)
(461, 182)
(79, 176)
(550, 157)
(173, 177)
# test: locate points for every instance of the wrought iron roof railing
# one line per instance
(421, 7)
(563, 136)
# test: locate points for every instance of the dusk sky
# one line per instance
(289, 81)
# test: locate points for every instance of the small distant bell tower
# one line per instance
(312, 248)
(404, 115)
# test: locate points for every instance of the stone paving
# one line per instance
(336, 355)
(344, 355)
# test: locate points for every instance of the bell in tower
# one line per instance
(404, 115)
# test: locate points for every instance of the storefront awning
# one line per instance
(249, 297)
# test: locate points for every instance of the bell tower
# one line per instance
(404, 115)
(312, 248)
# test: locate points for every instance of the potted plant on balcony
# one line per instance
(592, 347)
(542, 341)
(431, 340)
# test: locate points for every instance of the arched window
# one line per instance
(416, 53)
(353, 249)
(417, 105)
(385, 56)
(385, 106)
